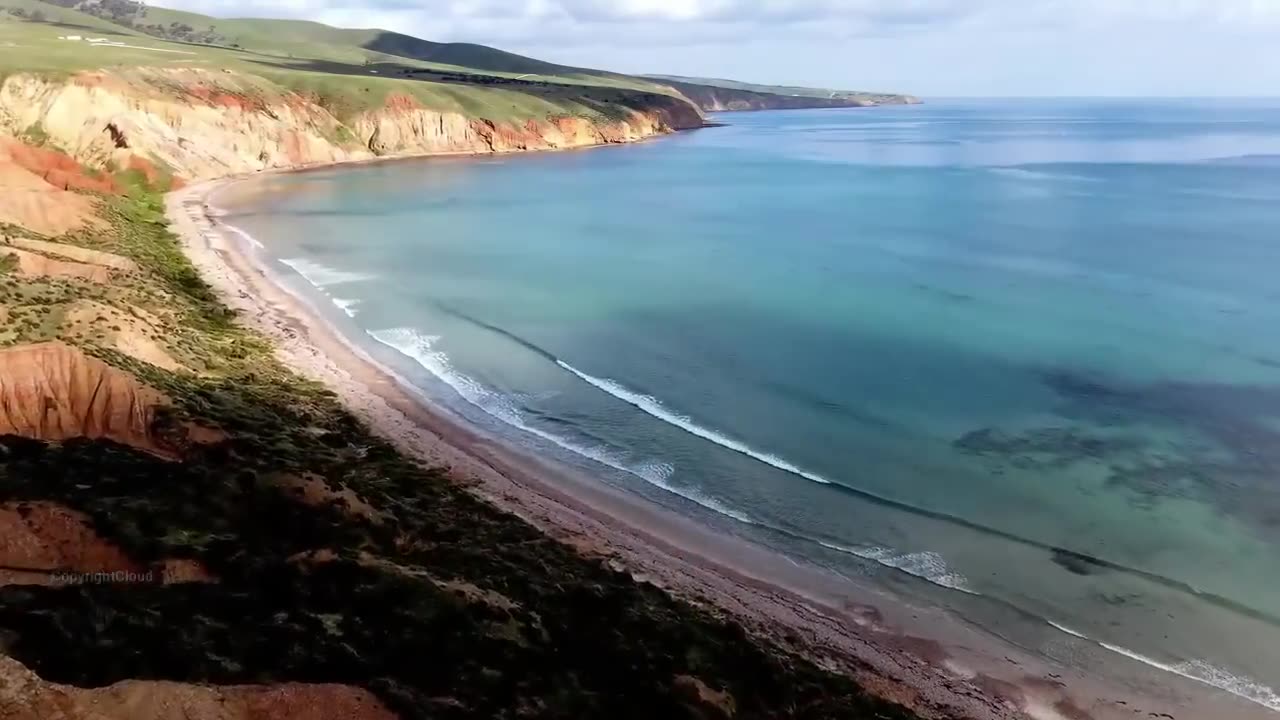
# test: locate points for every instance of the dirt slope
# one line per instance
(204, 124)
(75, 253)
(30, 201)
(39, 538)
(34, 265)
(52, 391)
(24, 696)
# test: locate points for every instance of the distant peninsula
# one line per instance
(719, 95)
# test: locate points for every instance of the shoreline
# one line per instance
(956, 670)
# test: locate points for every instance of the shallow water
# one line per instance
(1020, 358)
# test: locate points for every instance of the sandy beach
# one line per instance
(926, 658)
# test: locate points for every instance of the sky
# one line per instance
(932, 48)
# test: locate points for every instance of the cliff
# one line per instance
(201, 124)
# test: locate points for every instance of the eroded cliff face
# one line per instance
(25, 696)
(403, 127)
(202, 124)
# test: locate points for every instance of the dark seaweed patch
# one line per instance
(1228, 458)
(943, 293)
(1045, 448)
(1078, 563)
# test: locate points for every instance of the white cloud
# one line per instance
(748, 11)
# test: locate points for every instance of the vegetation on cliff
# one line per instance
(203, 111)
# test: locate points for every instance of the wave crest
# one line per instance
(244, 235)
(321, 276)
(420, 348)
(654, 407)
(1213, 676)
(926, 565)
(346, 305)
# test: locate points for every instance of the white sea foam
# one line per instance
(1203, 672)
(419, 348)
(1197, 670)
(655, 408)
(320, 276)
(251, 239)
(1067, 630)
(1038, 175)
(346, 305)
(926, 565)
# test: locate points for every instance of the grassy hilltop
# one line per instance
(283, 48)
(278, 560)
(332, 64)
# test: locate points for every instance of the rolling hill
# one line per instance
(294, 41)
(303, 39)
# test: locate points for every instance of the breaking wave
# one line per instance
(420, 348)
(654, 407)
(1197, 670)
(926, 565)
(1203, 672)
(320, 276)
(244, 235)
(1022, 173)
(346, 305)
(1066, 630)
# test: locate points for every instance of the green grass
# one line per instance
(71, 21)
(344, 86)
(301, 39)
(35, 307)
(297, 43)
(30, 47)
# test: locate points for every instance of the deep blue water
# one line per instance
(1003, 355)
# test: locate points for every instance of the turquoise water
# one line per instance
(1020, 358)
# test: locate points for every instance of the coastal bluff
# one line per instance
(199, 124)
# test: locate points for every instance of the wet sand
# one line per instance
(924, 657)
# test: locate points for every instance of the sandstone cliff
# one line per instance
(52, 391)
(202, 124)
(25, 696)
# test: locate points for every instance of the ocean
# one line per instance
(1018, 358)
